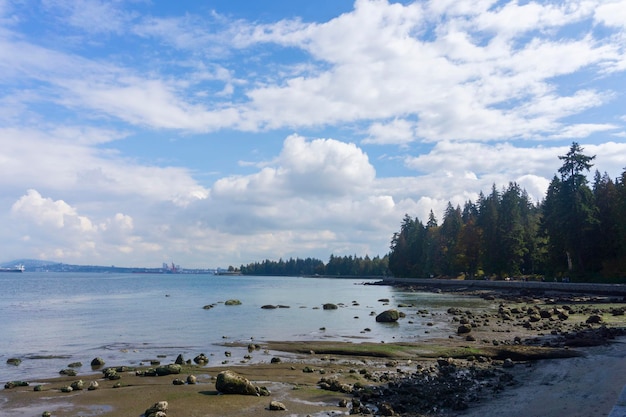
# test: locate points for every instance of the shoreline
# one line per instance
(586, 381)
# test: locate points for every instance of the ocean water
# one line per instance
(52, 319)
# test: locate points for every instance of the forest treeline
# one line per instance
(337, 265)
(578, 231)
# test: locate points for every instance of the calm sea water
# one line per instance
(51, 319)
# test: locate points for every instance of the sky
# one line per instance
(216, 133)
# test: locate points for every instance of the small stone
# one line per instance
(201, 359)
(68, 372)
(97, 362)
(78, 385)
(277, 406)
(157, 409)
(13, 384)
(464, 329)
(594, 319)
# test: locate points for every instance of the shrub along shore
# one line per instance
(534, 346)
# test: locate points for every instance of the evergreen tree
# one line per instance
(449, 236)
(488, 211)
(570, 212)
(468, 245)
(511, 232)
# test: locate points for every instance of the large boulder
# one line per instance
(229, 382)
(388, 316)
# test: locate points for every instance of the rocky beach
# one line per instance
(529, 352)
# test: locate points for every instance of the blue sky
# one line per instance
(216, 133)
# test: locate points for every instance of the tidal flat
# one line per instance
(520, 354)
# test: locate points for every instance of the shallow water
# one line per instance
(52, 319)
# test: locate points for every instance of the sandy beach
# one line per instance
(577, 380)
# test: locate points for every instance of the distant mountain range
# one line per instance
(28, 263)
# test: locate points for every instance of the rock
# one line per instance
(508, 363)
(78, 385)
(46, 414)
(192, 380)
(594, 319)
(277, 406)
(180, 360)
(386, 410)
(68, 372)
(111, 374)
(93, 385)
(333, 384)
(208, 306)
(170, 369)
(232, 302)
(275, 359)
(464, 329)
(388, 316)
(14, 361)
(67, 389)
(97, 362)
(178, 381)
(330, 306)
(545, 314)
(269, 307)
(13, 384)
(228, 382)
(38, 388)
(157, 410)
(201, 359)
(75, 365)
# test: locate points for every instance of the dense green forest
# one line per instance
(578, 231)
(337, 265)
